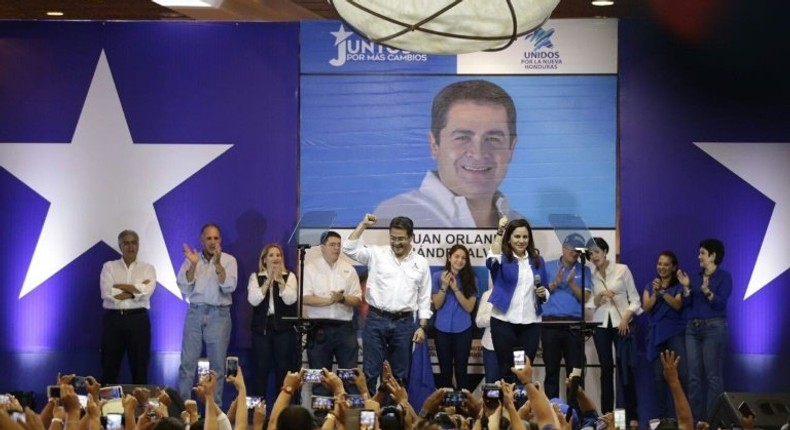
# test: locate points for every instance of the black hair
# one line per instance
(600, 243)
(476, 91)
(714, 246)
(296, 417)
(508, 250)
(168, 423)
(468, 284)
(673, 259)
(327, 234)
(403, 223)
(391, 418)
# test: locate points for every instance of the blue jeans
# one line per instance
(452, 350)
(706, 346)
(332, 340)
(677, 344)
(491, 365)
(209, 324)
(390, 339)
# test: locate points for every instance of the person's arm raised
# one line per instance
(669, 360)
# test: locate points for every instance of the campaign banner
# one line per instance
(371, 135)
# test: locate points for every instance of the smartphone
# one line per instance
(312, 375)
(519, 359)
(357, 401)
(322, 403)
(491, 392)
(367, 419)
(203, 367)
(619, 418)
(453, 398)
(232, 366)
(110, 393)
(253, 402)
(114, 422)
(83, 400)
(520, 394)
(53, 391)
(78, 382)
(745, 410)
(346, 375)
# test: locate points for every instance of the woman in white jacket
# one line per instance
(615, 301)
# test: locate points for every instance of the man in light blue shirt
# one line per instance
(207, 280)
(564, 304)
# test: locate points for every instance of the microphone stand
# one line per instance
(585, 331)
(302, 325)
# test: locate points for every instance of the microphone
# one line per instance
(538, 284)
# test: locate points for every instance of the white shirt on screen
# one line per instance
(434, 205)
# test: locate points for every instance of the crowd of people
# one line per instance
(500, 407)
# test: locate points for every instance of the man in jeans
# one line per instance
(399, 284)
(331, 292)
(207, 280)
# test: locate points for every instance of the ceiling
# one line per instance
(241, 10)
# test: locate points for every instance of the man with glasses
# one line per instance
(398, 285)
(472, 139)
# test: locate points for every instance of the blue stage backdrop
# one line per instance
(157, 127)
(705, 150)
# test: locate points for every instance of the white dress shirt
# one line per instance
(434, 205)
(116, 272)
(483, 320)
(523, 308)
(256, 293)
(393, 285)
(321, 279)
(619, 280)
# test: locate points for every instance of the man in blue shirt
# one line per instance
(564, 304)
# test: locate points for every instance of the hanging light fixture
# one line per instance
(444, 26)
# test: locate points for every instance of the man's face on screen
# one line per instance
(474, 150)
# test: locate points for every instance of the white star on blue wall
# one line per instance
(102, 183)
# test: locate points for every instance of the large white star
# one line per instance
(101, 184)
(765, 167)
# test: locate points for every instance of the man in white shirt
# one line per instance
(472, 138)
(331, 292)
(126, 287)
(398, 285)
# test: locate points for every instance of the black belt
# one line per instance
(390, 315)
(553, 318)
(126, 311)
(329, 323)
(696, 322)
